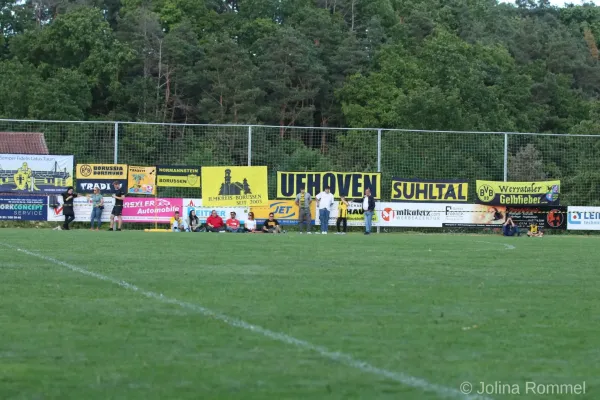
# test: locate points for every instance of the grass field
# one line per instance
(134, 315)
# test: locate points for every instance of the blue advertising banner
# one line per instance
(30, 208)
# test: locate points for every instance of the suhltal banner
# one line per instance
(438, 191)
(518, 193)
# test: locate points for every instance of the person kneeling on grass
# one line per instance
(233, 224)
(271, 225)
(509, 228)
(214, 223)
(178, 224)
(534, 231)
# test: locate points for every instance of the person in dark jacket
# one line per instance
(368, 206)
(68, 210)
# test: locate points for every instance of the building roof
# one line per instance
(23, 143)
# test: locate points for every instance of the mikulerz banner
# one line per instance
(177, 176)
(349, 184)
(518, 193)
(437, 191)
(101, 176)
(234, 186)
(35, 174)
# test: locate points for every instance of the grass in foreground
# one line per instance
(399, 302)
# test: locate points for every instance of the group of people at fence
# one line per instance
(214, 223)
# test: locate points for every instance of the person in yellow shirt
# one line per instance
(177, 223)
(342, 215)
(535, 231)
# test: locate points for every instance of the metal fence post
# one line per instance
(116, 156)
(250, 145)
(505, 157)
(378, 165)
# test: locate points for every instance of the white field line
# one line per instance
(506, 245)
(341, 358)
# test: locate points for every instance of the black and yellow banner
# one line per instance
(234, 186)
(349, 184)
(518, 193)
(101, 171)
(177, 176)
(429, 191)
(100, 176)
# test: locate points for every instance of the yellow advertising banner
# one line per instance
(286, 211)
(235, 186)
(349, 184)
(177, 176)
(101, 171)
(141, 180)
(437, 191)
(518, 193)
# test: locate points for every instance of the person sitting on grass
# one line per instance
(271, 225)
(250, 225)
(509, 228)
(214, 223)
(193, 222)
(534, 231)
(233, 224)
(177, 223)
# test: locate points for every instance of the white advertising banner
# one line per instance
(35, 174)
(204, 212)
(355, 214)
(583, 218)
(413, 215)
(82, 207)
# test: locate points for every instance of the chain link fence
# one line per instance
(395, 153)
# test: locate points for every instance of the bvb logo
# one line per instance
(85, 170)
(486, 193)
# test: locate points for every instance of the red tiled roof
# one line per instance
(23, 143)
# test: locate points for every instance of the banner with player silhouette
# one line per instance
(141, 180)
(235, 186)
(35, 174)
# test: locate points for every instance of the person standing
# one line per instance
(117, 211)
(97, 207)
(324, 203)
(342, 215)
(303, 201)
(68, 210)
(368, 206)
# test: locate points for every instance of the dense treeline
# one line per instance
(419, 64)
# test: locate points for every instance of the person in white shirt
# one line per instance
(324, 204)
(250, 223)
